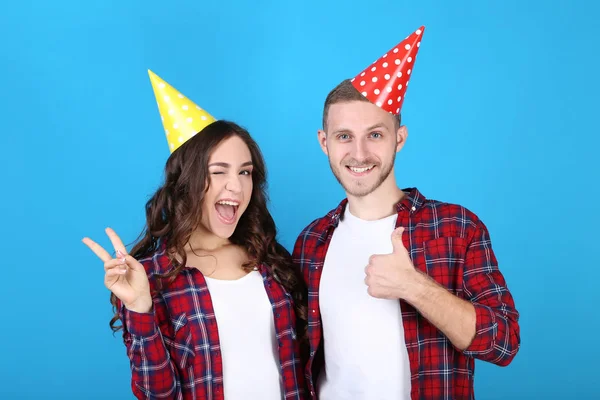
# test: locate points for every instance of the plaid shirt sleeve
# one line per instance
(153, 373)
(497, 337)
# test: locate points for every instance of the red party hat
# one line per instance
(384, 82)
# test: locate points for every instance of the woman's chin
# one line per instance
(222, 230)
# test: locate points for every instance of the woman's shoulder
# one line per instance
(156, 263)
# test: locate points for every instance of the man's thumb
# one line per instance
(397, 242)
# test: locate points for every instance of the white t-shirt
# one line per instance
(365, 351)
(251, 368)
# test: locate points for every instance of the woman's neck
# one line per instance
(224, 262)
(206, 241)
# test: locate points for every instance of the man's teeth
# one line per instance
(228, 203)
(359, 170)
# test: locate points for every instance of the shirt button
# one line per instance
(277, 315)
(314, 310)
(413, 208)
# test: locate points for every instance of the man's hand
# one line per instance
(390, 275)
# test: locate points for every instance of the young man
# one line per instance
(404, 291)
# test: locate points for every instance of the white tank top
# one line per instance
(251, 367)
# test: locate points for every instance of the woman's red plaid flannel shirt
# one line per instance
(174, 350)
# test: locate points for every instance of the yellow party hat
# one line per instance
(181, 118)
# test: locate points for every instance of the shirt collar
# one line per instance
(412, 201)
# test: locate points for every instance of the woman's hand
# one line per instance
(124, 275)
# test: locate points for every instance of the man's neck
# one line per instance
(378, 204)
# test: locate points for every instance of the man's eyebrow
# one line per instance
(377, 125)
(341, 130)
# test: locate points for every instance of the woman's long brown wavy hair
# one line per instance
(175, 211)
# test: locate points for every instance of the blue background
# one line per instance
(501, 112)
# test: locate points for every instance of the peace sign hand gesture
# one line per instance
(124, 276)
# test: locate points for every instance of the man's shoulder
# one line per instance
(452, 217)
(318, 226)
(444, 209)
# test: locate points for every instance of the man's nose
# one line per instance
(360, 150)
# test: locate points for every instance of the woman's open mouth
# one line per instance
(227, 210)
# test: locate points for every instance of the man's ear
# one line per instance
(322, 136)
(401, 136)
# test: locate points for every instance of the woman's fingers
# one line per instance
(116, 241)
(97, 249)
(116, 272)
(115, 263)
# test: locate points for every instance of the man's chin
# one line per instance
(355, 187)
(358, 190)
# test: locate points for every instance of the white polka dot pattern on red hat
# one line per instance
(384, 82)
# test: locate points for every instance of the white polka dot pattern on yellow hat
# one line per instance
(181, 118)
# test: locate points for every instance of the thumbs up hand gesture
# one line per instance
(388, 276)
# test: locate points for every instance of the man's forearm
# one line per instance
(453, 316)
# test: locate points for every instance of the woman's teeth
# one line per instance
(228, 203)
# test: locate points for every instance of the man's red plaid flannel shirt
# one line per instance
(174, 350)
(451, 245)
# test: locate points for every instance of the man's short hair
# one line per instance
(345, 92)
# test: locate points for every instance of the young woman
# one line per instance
(214, 308)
